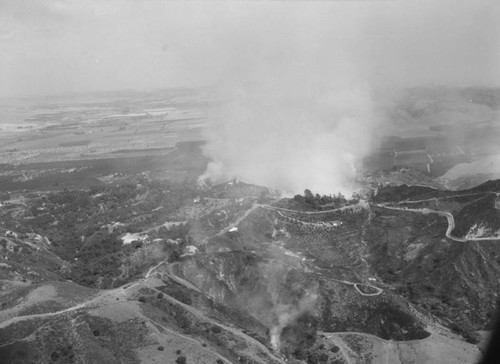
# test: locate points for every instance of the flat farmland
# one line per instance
(96, 128)
(84, 172)
(91, 139)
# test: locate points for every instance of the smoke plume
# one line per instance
(293, 111)
(284, 299)
(288, 314)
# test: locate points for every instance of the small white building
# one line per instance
(190, 250)
(128, 238)
(11, 234)
(35, 237)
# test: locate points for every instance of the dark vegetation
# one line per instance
(300, 336)
(84, 226)
(481, 212)
(408, 251)
(313, 201)
(176, 291)
(316, 200)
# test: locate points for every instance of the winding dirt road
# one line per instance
(105, 294)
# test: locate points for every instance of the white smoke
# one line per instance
(284, 301)
(293, 112)
(287, 314)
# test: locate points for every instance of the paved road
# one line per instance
(449, 218)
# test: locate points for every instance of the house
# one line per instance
(190, 250)
(35, 237)
(11, 234)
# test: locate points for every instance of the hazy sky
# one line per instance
(78, 45)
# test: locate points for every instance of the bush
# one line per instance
(216, 329)
(182, 322)
(181, 360)
(334, 349)
(142, 299)
(161, 348)
(300, 354)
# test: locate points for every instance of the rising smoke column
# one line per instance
(293, 111)
(283, 300)
(288, 314)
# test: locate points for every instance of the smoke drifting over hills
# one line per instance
(291, 134)
(295, 79)
(295, 112)
(296, 105)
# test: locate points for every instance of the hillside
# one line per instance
(231, 278)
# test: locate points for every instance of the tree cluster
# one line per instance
(316, 200)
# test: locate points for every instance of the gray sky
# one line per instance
(57, 46)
